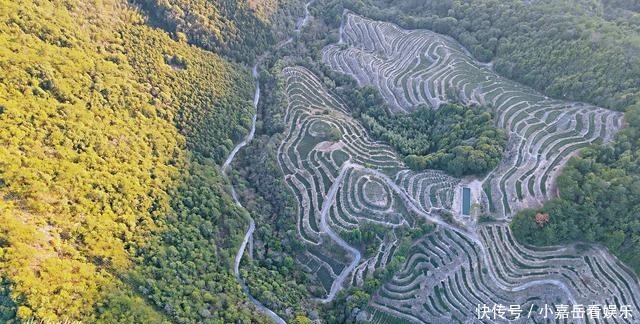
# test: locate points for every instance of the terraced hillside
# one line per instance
(448, 275)
(343, 180)
(421, 67)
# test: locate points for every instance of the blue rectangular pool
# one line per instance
(466, 201)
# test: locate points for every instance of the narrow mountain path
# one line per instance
(252, 225)
(226, 166)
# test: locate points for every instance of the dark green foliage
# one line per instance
(187, 272)
(345, 306)
(460, 140)
(365, 238)
(599, 199)
(273, 277)
(279, 286)
(269, 197)
(8, 307)
(273, 105)
(226, 27)
(484, 218)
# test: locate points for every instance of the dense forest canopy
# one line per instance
(454, 138)
(80, 143)
(599, 199)
(241, 30)
(108, 126)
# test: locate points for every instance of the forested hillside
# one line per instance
(116, 115)
(112, 133)
(241, 30)
(599, 199)
(454, 138)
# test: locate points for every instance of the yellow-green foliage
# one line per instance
(264, 9)
(213, 99)
(203, 17)
(89, 149)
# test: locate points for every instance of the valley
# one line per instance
(319, 161)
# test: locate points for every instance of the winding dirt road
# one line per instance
(324, 227)
(248, 237)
